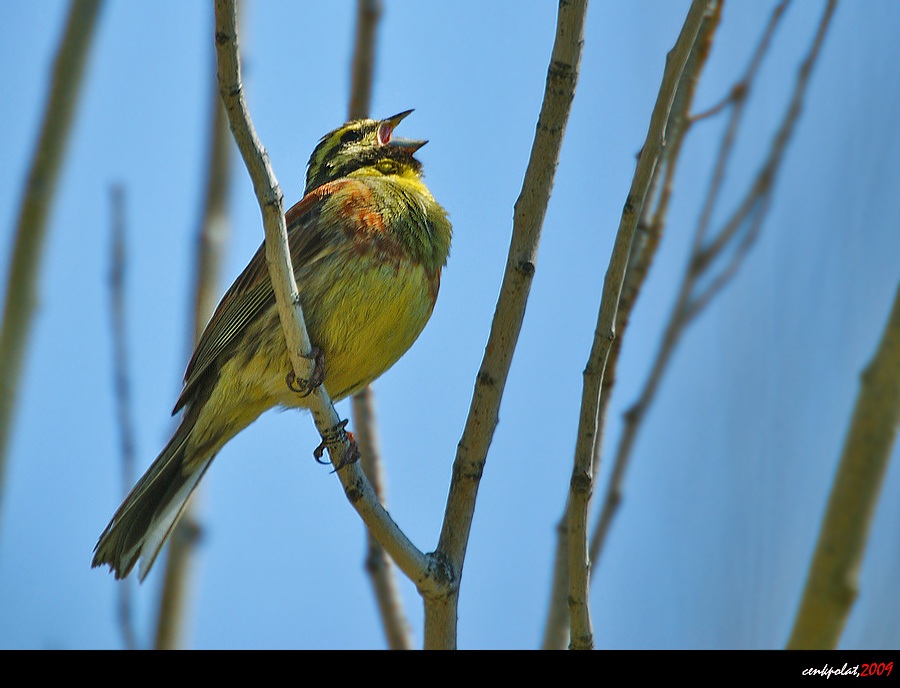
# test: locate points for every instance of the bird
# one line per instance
(368, 242)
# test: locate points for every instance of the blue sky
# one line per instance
(731, 473)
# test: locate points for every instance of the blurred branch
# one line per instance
(581, 632)
(528, 219)
(646, 240)
(421, 569)
(118, 309)
(214, 230)
(122, 384)
(378, 563)
(692, 299)
(37, 200)
(212, 238)
(362, 70)
(833, 582)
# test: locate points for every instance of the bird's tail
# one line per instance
(146, 518)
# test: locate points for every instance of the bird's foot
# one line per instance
(338, 434)
(305, 387)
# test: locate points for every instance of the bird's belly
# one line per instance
(371, 324)
(363, 319)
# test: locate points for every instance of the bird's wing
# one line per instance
(310, 238)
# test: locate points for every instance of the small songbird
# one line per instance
(368, 242)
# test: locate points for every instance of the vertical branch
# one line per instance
(581, 632)
(362, 70)
(122, 385)
(118, 309)
(37, 200)
(378, 564)
(646, 240)
(212, 238)
(833, 581)
(528, 219)
(214, 230)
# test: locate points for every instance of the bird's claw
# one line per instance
(305, 387)
(337, 434)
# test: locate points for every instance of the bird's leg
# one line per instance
(337, 434)
(305, 387)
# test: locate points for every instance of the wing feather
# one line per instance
(251, 294)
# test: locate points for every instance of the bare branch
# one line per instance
(701, 299)
(688, 303)
(581, 484)
(758, 199)
(530, 209)
(646, 240)
(213, 230)
(362, 70)
(378, 564)
(766, 177)
(833, 581)
(122, 384)
(118, 309)
(737, 99)
(212, 238)
(37, 200)
(738, 94)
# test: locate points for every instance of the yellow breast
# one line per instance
(367, 318)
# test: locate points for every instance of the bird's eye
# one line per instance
(351, 136)
(387, 167)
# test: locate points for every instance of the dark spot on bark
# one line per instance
(526, 267)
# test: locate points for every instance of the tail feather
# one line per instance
(143, 523)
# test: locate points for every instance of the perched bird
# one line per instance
(368, 242)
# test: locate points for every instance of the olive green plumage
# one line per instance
(368, 242)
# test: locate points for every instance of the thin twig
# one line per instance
(37, 200)
(122, 384)
(581, 484)
(212, 238)
(738, 93)
(528, 218)
(118, 310)
(738, 96)
(701, 299)
(378, 564)
(752, 208)
(833, 580)
(417, 566)
(646, 240)
(213, 231)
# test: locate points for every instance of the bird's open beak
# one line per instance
(386, 134)
(408, 145)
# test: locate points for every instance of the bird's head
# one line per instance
(366, 146)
